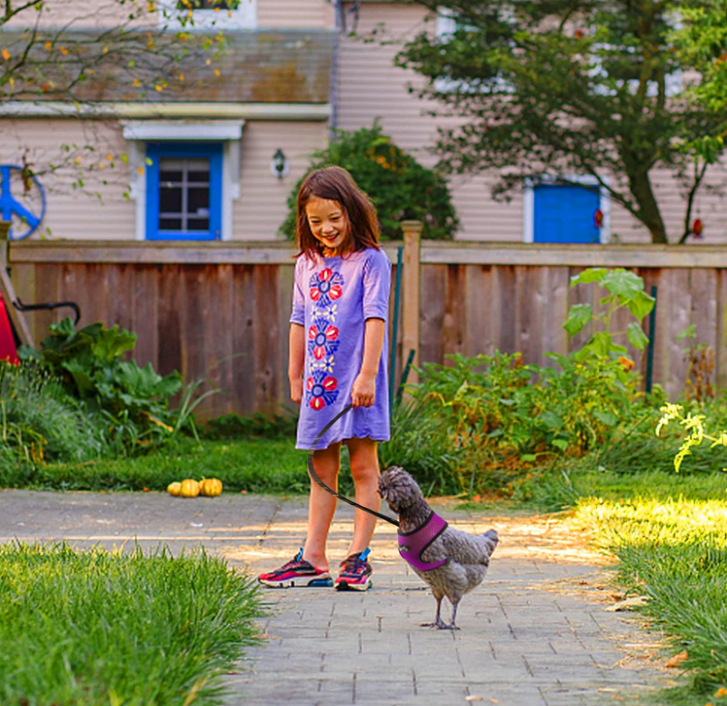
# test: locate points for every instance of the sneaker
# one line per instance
(297, 572)
(355, 574)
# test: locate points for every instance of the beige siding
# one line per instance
(261, 208)
(257, 214)
(79, 14)
(370, 86)
(308, 14)
(71, 214)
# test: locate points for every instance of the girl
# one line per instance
(337, 357)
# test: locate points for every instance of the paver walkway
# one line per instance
(536, 633)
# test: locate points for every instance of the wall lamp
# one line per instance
(279, 166)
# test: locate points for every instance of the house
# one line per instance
(253, 118)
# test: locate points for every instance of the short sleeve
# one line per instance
(377, 286)
(297, 315)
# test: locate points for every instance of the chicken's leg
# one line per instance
(438, 622)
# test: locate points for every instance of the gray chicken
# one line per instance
(450, 561)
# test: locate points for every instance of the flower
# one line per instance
(326, 286)
(322, 339)
(321, 390)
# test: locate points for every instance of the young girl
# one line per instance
(337, 357)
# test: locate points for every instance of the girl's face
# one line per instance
(330, 226)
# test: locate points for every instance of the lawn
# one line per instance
(97, 627)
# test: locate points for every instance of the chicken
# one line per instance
(450, 561)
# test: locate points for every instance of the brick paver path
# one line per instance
(536, 633)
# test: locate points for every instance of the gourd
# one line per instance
(210, 487)
(174, 489)
(190, 488)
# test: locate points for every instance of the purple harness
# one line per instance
(412, 544)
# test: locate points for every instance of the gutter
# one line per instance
(252, 111)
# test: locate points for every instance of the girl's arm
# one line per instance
(296, 361)
(364, 386)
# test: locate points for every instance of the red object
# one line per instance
(579, 34)
(598, 217)
(697, 227)
(8, 351)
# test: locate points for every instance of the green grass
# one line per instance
(91, 628)
(253, 465)
(674, 551)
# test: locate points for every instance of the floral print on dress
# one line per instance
(321, 387)
(326, 287)
(322, 339)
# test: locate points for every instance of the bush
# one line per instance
(90, 363)
(400, 187)
(505, 418)
(40, 422)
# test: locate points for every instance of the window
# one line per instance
(207, 14)
(184, 191)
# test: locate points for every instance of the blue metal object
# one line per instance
(564, 213)
(155, 151)
(395, 331)
(10, 205)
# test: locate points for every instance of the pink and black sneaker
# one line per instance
(297, 572)
(355, 574)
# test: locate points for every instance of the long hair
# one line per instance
(336, 184)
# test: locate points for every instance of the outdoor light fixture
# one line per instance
(279, 166)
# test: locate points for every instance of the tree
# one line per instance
(554, 87)
(53, 50)
(400, 187)
(702, 44)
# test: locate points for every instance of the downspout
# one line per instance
(333, 97)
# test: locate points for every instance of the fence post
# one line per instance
(410, 294)
(6, 288)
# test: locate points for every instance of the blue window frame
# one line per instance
(183, 191)
(564, 213)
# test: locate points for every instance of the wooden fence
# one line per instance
(219, 311)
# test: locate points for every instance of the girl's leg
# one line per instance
(322, 505)
(365, 472)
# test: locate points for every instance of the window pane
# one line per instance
(170, 199)
(170, 224)
(207, 4)
(198, 224)
(197, 198)
(170, 169)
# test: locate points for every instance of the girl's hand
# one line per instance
(364, 390)
(296, 390)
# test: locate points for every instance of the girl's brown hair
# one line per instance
(336, 184)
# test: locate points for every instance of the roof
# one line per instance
(290, 66)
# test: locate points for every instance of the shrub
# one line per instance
(400, 187)
(90, 363)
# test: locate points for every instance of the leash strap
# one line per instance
(314, 475)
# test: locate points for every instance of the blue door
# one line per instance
(565, 214)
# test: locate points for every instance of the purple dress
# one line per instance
(332, 298)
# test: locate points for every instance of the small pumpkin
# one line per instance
(175, 489)
(190, 488)
(210, 487)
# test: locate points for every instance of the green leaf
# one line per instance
(551, 419)
(594, 274)
(641, 305)
(608, 418)
(624, 284)
(113, 343)
(561, 444)
(578, 316)
(637, 337)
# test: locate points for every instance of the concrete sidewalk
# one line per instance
(536, 633)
